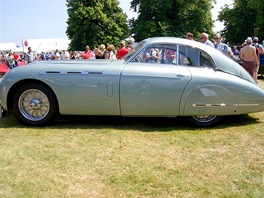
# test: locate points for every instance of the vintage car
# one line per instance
(161, 77)
(3, 68)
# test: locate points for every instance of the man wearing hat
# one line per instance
(249, 56)
(257, 45)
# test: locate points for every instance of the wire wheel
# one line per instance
(33, 104)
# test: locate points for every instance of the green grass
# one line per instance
(133, 157)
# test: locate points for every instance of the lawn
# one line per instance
(133, 157)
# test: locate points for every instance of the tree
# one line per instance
(95, 22)
(258, 6)
(240, 21)
(171, 18)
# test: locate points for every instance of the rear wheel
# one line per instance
(34, 104)
(204, 121)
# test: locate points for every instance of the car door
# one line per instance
(155, 87)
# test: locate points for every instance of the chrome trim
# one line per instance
(152, 76)
(71, 72)
(110, 89)
(244, 105)
(223, 105)
(181, 76)
(111, 73)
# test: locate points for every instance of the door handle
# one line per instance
(181, 76)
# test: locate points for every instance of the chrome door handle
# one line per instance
(180, 76)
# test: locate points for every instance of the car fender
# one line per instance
(210, 100)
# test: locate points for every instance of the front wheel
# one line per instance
(204, 121)
(34, 104)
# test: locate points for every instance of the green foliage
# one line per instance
(242, 20)
(258, 6)
(171, 18)
(95, 22)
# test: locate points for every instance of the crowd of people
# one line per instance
(13, 59)
(249, 53)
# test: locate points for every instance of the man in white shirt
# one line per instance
(57, 55)
(222, 47)
(65, 55)
(204, 38)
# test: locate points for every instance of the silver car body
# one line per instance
(133, 88)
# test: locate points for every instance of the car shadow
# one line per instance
(144, 124)
(149, 124)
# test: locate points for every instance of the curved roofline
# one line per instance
(208, 49)
(178, 40)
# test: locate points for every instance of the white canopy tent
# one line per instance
(37, 45)
(46, 45)
(10, 47)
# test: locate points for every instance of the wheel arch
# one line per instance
(18, 84)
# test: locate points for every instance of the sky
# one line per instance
(38, 19)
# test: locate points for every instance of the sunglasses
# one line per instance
(202, 38)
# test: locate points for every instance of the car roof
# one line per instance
(177, 40)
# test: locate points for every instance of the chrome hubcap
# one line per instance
(33, 105)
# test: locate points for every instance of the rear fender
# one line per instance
(210, 100)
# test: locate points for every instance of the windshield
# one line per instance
(134, 50)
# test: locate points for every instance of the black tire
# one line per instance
(204, 121)
(35, 104)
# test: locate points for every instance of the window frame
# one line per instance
(176, 47)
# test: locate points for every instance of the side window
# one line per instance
(193, 57)
(188, 56)
(173, 54)
(205, 61)
(159, 53)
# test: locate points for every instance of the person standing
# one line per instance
(99, 52)
(16, 59)
(56, 55)
(87, 54)
(129, 45)
(258, 46)
(222, 47)
(189, 36)
(29, 57)
(110, 52)
(48, 56)
(235, 51)
(10, 60)
(122, 51)
(249, 56)
(259, 52)
(65, 55)
(204, 38)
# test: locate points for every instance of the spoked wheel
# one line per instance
(204, 121)
(34, 104)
